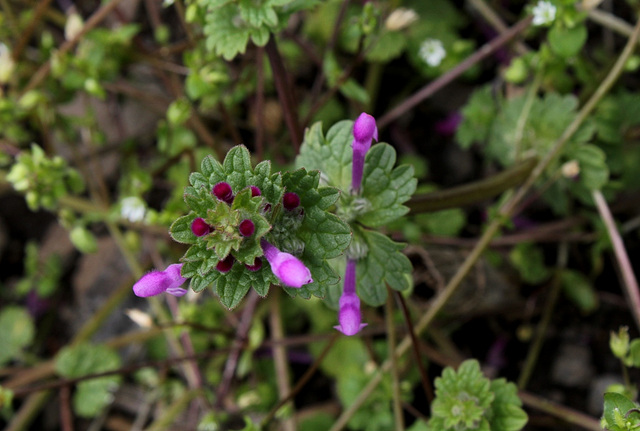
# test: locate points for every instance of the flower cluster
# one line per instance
(250, 228)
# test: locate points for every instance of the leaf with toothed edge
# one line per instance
(384, 187)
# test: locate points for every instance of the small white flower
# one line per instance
(543, 13)
(133, 209)
(432, 52)
(400, 18)
(6, 64)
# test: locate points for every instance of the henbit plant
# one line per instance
(241, 216)
(466, 400)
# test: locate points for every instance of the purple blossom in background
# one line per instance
(157, 282)
(449, 125)
(349, 314)
(364, 130)
(288, 268)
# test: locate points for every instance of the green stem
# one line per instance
(524, 115)
(280, 356)
(566, 414)
(172, 413)
(549, 307)
(475, 192)
(391, 345)
(301, 382)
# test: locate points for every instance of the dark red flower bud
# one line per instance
(223, 192)
(199, 227)
(225, 264)
(290, 201)
(257, 264)
(255, 191)
(246, 227)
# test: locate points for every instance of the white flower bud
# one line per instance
(571, 169)
(73, 26)
(6, 64)
(400, 18)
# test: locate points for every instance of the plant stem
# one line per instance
(417, 356)
(28, 411)
(448, 77)
(630, 283)
(475, 192)
(524, 115)
(549, 307)
(285, 92)
(566, 414)
(280, 356)
(301, 382)
(240, 340)
(506, 211)
(26, 34)
(391, 345)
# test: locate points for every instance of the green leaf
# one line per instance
(16, 332)
(634, 352)
(331, 155)
(616, 407)
(594, 172)
(225, 36)
(383, 264)
(477, 117)
(579, 290)
(388, 46)
(82, 359)
(180, 229)
(567, 42)
(92, 396)
(324, 234)
(384, 187)
(209, 166)
(529, 261)
(506, 413)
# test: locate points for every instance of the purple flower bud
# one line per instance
(156, 282)
(290, 201)
(199, 227)
(364, 130)
(257, 264)
(223, 192)
(288, 268)
(349, 314)
(246, 227)
(255, 191)
(225, 264)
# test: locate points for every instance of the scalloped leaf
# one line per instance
(324, 234)
(180, 229)
(331, 155)
(384, 187)
(383, 264)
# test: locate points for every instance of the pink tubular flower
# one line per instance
(364, 130)
(157, 282)
(288, 268)
(349, 314)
